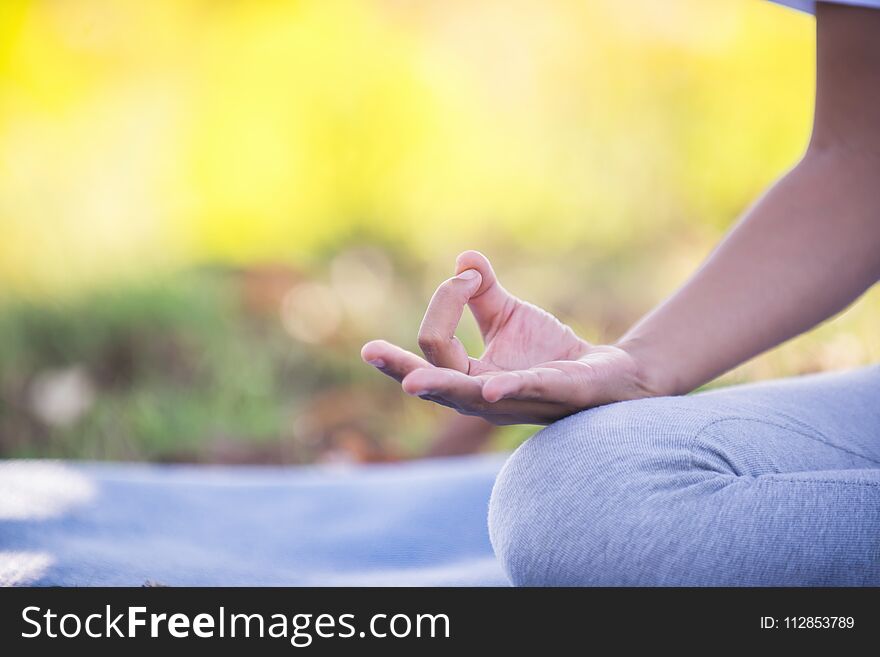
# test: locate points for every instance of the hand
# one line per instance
(534, 370)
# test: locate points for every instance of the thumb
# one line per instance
(490, 302)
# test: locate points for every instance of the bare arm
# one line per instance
(805, 250)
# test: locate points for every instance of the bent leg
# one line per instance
(767, 484)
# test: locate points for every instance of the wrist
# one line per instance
(653, 378)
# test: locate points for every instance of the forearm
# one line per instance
(804, 252)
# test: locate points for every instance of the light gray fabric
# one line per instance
(768, 484)
(810, 5)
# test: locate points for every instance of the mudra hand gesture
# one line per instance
(534, 369)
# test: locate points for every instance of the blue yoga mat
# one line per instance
(420, 523)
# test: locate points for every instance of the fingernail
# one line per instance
(468, 274)
(377, 362)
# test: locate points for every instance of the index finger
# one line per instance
(392, 360)
(437, 331)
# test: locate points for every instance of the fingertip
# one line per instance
(414, 383)
(478, 262)
(474, 260)
(372, 351)
(472, 277)
(497, 388)
(491, 395)
(471, 258)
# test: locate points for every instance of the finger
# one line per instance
(464, 393)
(437, 332)
(391, 359)
(545, 384)
(452, 385)
(491, 302)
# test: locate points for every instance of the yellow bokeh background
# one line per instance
(336, 155)
(147, 134)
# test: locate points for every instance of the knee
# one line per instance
(569, 504)
(526, 488)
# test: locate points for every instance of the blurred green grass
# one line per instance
(216, 365)
(197, 367)
(161, 366)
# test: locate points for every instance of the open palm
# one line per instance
(534, 369)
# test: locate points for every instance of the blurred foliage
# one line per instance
(206, 207)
